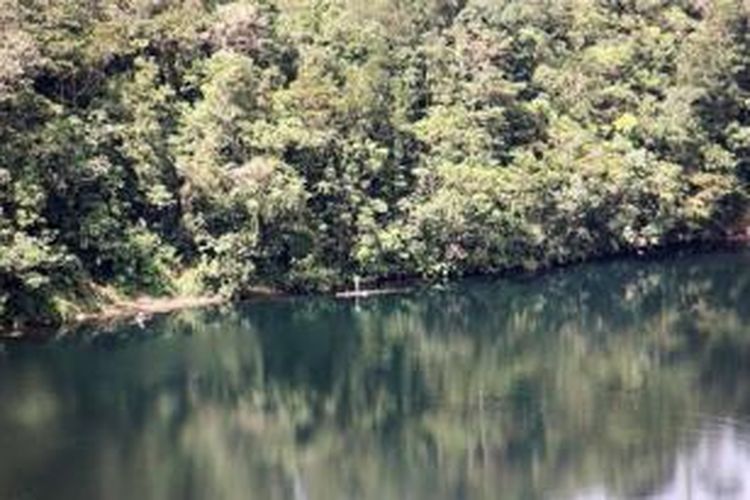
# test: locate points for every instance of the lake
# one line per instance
(625, 379)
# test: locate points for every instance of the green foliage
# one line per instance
(299, 143)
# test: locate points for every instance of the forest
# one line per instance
(194, 147)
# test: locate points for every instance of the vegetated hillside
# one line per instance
(168, 147)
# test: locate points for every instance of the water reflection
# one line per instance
(718, 466)
(609, 380)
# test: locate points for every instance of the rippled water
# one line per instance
(619, 380)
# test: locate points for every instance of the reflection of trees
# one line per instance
(585, 378)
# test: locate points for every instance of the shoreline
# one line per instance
(124, 311)
(145, 307)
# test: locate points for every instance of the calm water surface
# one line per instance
(619, 380)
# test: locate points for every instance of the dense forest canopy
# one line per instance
(202, 146)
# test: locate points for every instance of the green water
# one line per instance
(618, 380)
